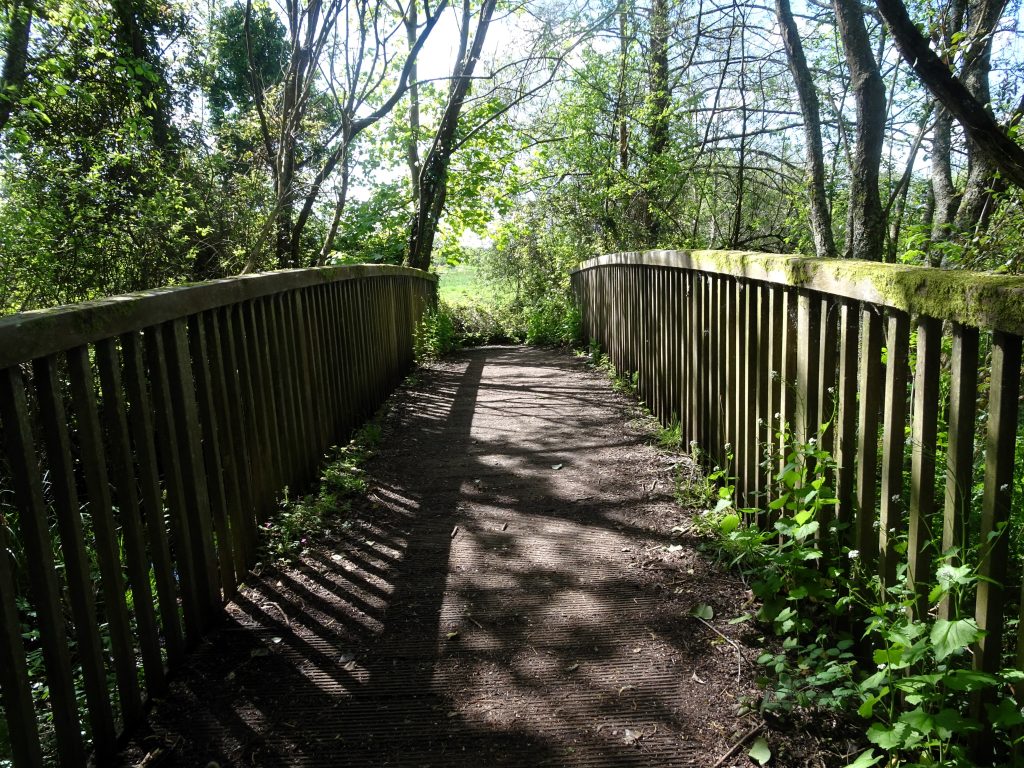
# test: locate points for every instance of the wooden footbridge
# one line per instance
(147, 437)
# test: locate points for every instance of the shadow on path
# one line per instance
(499, 599)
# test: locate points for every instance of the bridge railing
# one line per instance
(733, 345)
(145, 437)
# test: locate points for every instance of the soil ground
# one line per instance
(509, 593)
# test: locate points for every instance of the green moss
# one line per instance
(973, 298)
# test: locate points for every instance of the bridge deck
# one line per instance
(508, 595)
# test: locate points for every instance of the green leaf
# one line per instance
(1005, 715)
(729, 524)
(759, 751)
(868, 707)
(703, 611)
(865, 760)
(950, 636)
(885, 737)
(919, 720)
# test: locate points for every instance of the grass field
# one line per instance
(463, 285)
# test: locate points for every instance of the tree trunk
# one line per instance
(821, 215)
(942, 176)
(339, 208)
(433, 181)
(989, 138)
(866, 237)
(661, 105)
(412, 152)
(19, 30)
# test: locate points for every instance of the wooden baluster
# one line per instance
(703, 360)
(76, 560)
(141, 420)
(775, 409)
(716, 361)
(212, 452)
(286, 400)
(790, 352)
(846, 417)
(15, 693)
(1000, 441)
(923, 441)
(298, 332)
(738, 390)
(867, 434)
(93, 461)
(828, 375)
(190, 456)
(228, 398)
(808, 367)
(42, 574)
(259, 341)
(115, 416)
(751, 356)
(963, 399)
(762, 418)
(893, 441)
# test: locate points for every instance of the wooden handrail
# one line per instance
(978, 299)
(27, 335)
(175, 418)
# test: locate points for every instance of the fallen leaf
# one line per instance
(556, 466)
(759, 751)
(452, 635)
(703, 611)
(572, 667)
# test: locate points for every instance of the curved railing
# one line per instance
(144, 439)
(735, 344)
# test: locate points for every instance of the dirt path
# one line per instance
(508, 595)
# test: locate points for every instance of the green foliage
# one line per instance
(851, 643)
(435, 335)
(228, 72)
(488, 308)
(286, 535)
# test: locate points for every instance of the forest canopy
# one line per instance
(148, 143)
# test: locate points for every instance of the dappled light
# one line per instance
(496, 598)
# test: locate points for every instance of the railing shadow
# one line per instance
(366, 653)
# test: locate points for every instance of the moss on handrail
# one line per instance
(978, 299)
(28, 335)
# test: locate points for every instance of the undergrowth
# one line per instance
(285, 537)
(855, 644)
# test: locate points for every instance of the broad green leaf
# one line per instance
(729, 524)
(886, 737)
(919, 720)
(865, 760)
(950, 636)
(703, 611)
(759, 751)
(1005, 715)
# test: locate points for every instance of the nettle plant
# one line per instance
(853, 643)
